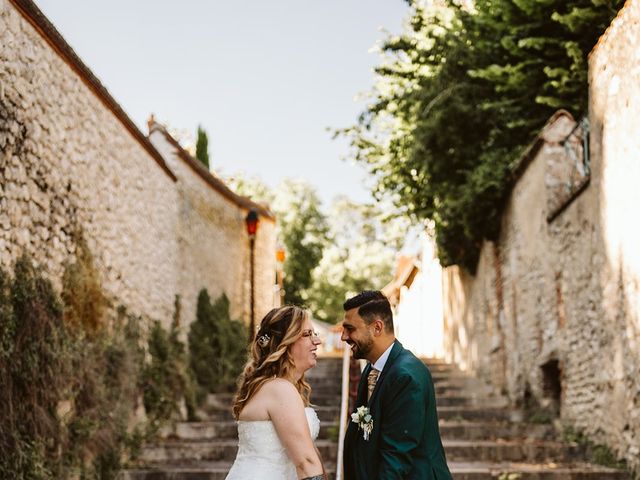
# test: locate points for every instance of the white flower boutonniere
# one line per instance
(364, 420)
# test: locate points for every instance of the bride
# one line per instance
(276, 426)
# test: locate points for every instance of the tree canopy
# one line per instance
(328, 256)
(360, 255)
(301, 228)
(458, 97)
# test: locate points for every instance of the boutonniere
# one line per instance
(364, 420)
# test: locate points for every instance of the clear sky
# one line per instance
(264, 77)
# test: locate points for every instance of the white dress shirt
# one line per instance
(380, 363)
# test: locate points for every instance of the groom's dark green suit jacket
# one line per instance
(405, 441)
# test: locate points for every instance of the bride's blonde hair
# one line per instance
(270, 355)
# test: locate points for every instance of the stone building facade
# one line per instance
(72, 161)
(552, 314)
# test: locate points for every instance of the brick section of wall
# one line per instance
(568, 290)
(70, 158)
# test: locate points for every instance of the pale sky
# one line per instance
(264, 77)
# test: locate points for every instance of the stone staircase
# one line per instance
(483, 439)
(205, 450)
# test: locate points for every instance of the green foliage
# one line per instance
(32, 358)
(165, 378)
(106, 369)
(596, 453)
(202, 147)
(66, 397)
(360, 255)
(541, 417)
(217, 345)
(302, 229)
(329, 257)
(82, 296)
(69, 384)
(459, 96)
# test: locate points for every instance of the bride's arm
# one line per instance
(286, 411)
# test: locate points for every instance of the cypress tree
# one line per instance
(202, 147)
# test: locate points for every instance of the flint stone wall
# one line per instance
(70, 161)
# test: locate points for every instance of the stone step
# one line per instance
(527, 451)
(225, 430)
(199, 471)
(492, 430)
(442, 367)
(325, 400)
(434, 361)
(449, 387)
(326, 380)
(443, 400)
(328, 413)
(326, 389)
(453, 430)
(174, 452)
(447, 376)
(477, 412)
(533, 471)
(460, 471)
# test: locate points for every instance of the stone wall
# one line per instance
(212, 236)
(72, 161)
(67, 163)
(558, 300)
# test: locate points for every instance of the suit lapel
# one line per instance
(395, 352)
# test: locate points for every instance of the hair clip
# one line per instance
(263, 340)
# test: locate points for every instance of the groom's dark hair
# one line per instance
(372, 304)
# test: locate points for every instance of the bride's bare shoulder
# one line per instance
(281, 389)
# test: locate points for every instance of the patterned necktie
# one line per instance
(372, 378)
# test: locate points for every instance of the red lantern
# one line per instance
(252, 222)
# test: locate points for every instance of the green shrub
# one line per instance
(217, 346)
(596, 453)
(33, 364)
(165, 378)
(71, 380)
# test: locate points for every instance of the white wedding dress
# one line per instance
(261, 454)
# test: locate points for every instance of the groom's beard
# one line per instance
(362, 348)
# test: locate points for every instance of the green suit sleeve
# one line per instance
(403, 427)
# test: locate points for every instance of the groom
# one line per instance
(396, 388)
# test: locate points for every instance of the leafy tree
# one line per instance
(459, 95)
(202, 147)
(302, 228)
(360, 255)
(303, 231)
